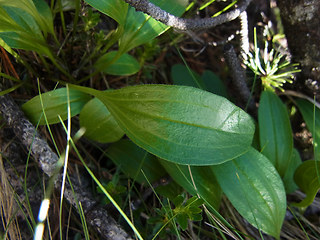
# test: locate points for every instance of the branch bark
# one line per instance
(239, 79)
(96, 216)
(301, 21)
(183, 23)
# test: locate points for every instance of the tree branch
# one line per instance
(97, 216)
(239, 77)
(183, 23)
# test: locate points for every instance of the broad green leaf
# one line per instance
(99, 123)
(22, 40)
(140, 28)
(54, 104)
(182, 75)
(18, 29)
(23, 19)
(311, 115)
(307, 177)
(214, 84)
(180, 124)
(288, 179)
(132, 160)
(45, 15)
(255, 189)
(38, 9)
(116, 64)
(205, 183)
(275, 131)
(116, 9)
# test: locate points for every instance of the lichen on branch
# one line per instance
(184, 23)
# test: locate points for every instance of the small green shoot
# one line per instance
(183, 211)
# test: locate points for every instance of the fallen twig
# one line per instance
(96, 216)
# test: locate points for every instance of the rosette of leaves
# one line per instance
(272, 67)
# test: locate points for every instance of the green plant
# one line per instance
(184, 210)
(193, 132)
(272, 67)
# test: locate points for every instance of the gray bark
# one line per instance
(301, 21)
(95, 215)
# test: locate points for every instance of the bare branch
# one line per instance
(183, 23)
(97, 216)
(238, 76)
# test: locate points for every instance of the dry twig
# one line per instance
(96, 216)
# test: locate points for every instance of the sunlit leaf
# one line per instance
(21, 40)
(99, 123)
(307, 177)
(140, 28)
(38, 9)
(275, 131)
(66, 5)
(255, 189)
(23, 19)
(132, 160)
(118, 64)
(116, 9)
(20, 29)
(196, 180)
(55, 103)
(181, 124)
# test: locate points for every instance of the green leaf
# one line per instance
(255, 189)
(181, 124)
(23, 19)
(38, 9)
(66, 5)
(99, 123)
(311, 115)
(116, 9)
(19, 29)
(131, 160)
(205, 183)
(307, 177)
(182, 220)
(170, 190)
(275, 131)
(137, 27)
(187, 211)
(54, 104)
(21, 40)
(182, 75)
(214, 84)
(44, 13)
(288, 179)
(116, 64)
(140, 28)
